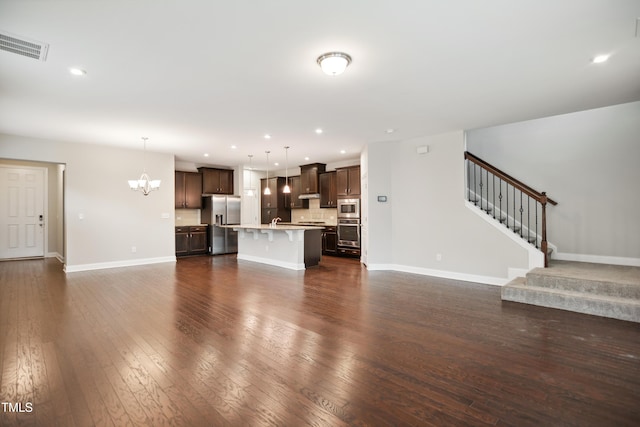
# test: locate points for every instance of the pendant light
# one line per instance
(250, 192)
(144, 183)
(267, 190)
(286, 189)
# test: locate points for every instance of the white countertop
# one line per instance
(283, 227)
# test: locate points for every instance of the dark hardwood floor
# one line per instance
(210, 341)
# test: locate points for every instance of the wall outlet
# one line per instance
(438, 257)
(134, 249)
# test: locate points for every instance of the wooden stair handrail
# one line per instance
(540, 197)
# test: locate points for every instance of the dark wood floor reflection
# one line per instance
(210, 341)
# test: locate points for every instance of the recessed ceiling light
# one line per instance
(276, 164)
(390, 130)
(318, 131)
(267, 136)
(306, 158)
(77, 71)
(206, 154)
(600, 59)
(233, 147)
(342, 151)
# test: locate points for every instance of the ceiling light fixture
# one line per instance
(600, 59)
(319, 131)
(144, 183)
(267, 136)
(286, 189)
(334, 63)
(250, 192)
(77, 71)
(343, 151)
(267, 190)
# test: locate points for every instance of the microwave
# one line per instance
(348, 208)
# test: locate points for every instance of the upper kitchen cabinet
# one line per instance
(328, 197)
(275, 204)
(188, 187)
(295, 183)
(309, 183)
(217, 181)
(348, 181)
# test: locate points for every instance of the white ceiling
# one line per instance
(199, 76)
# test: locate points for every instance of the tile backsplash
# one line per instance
(315, 213)
(187, 217)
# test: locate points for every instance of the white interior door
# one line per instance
(22, 215)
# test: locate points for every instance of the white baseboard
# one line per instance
(597, 259)
(116, 264)
(488, 280)
(379, 267)
(55, 255)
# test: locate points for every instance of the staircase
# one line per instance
(509, 201)
(597, 289)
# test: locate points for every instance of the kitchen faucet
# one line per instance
(274, 222)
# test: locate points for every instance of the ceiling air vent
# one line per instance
(23, 46)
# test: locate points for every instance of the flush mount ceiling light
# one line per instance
(600, 59)
(144, 183)
(334, 63)
(77, 71)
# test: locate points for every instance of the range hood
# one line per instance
(309, 196)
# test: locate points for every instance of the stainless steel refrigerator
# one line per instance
(217, 211)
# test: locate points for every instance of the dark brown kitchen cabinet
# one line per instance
(295, 183)
(309, 177)
(268, 214)
(328, 196)
(188, 188)
(348, 181)
(275, 205)
(217, 181)
(191, 240)
(329, 241)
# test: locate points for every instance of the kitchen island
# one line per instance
(295, 247)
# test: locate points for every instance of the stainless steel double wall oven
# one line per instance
(349, 226)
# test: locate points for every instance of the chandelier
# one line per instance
(144, 183)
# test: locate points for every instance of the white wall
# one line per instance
(587, 162)
(115, 218)
(426, 215)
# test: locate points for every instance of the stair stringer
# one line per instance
(536, 257)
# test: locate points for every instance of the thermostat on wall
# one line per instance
(382, 199)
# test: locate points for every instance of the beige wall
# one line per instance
(426, 214)
(103, 218)
(586, 161)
